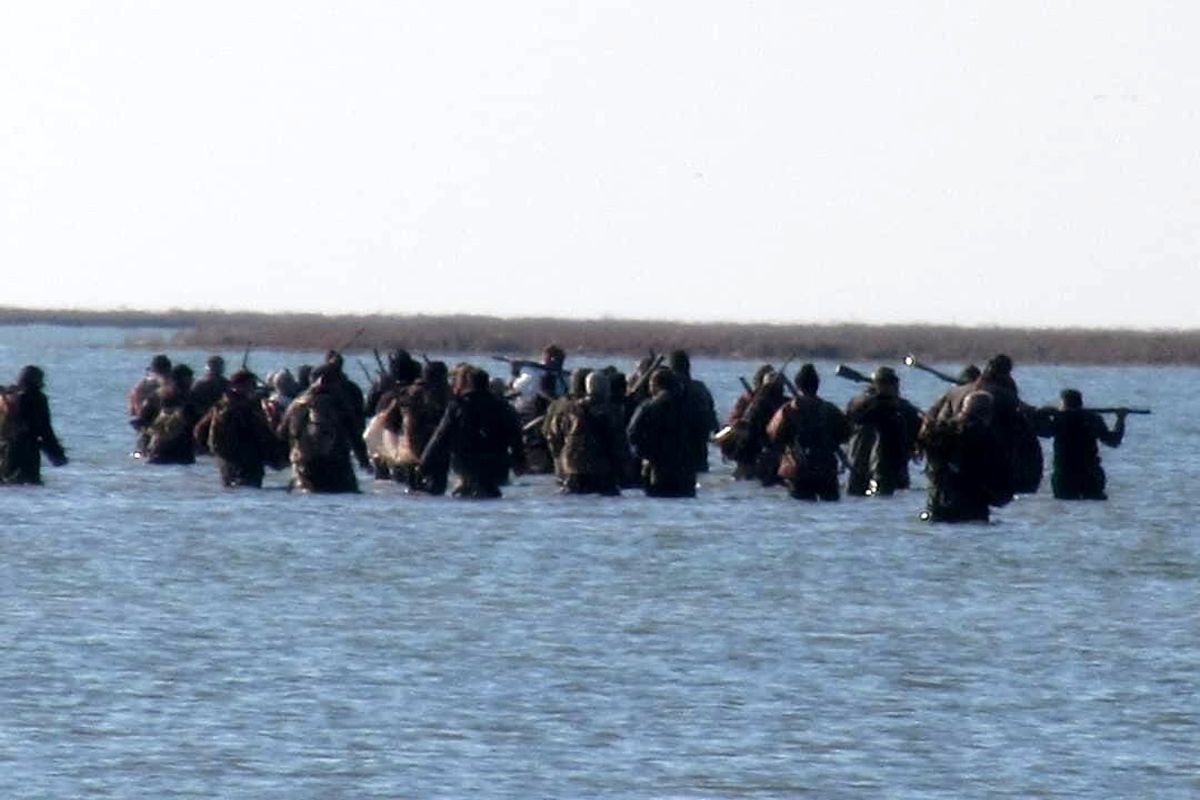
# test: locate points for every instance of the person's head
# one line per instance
(970, 373)
(618, 385)
(160, 365)
(578, 387)
(243, 381)
(761, 375)
(322, 377)
(977, 407)
(304, 376)
(479, 380)
(403, 367)
(215, 365)
(334, 358)
(680, 363)
(807, 380)
(1071, 399)
(181, 377)
(663, 380)
(998, 366)
(285, 383)
(886, 381)
(434, 373)
(596, 386)
(553, 356)
(31, 377)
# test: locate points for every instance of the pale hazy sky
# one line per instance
(1028, 163)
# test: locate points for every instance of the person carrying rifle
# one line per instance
(744, 440)
(885, 428)
(809, 431)
(662, 439)
(1077, 474)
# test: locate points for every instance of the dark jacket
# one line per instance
(25, 433)
(967, 469)
(884, 439)
(661, 434)
(809, 432)
(481, 436)
(1077, 474)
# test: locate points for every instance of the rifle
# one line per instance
(1102, 410)
(366, 371)
(746, 385)
(246, 355)
(534, 423)
(425, 358)
(645, 376)
(791, 387)
(352, 340)
(522, 363)
(850, 373)
(379, 362)
(911, 361)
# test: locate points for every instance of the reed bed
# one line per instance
(527, 336)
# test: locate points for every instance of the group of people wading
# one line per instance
(598, 431)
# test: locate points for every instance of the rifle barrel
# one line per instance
(850, 373)
(911, 361)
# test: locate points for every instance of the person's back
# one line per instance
(885, 429)
(237, 432)
(591, 453)
(1077, 473)
(660, 434)
(322, 433)
(966, 464)
(481, 436)
(26, 430)
(809, 431)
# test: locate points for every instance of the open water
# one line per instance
(163, 637)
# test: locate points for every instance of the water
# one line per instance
(167, 638)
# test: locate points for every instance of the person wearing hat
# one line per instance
(661, 438)
(26, 431)
(236, 431)
(884, 437)
(966, 464)
(209, 389)
(809, 431)
(1076, 473)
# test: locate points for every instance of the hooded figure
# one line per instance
(480, 436)
(26, 431)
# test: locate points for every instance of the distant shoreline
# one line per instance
(527, 336)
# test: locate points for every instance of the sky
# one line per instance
(978, 163)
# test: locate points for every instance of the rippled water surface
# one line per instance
(166, 638)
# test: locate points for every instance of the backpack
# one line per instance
(10, 413)
(222, 433)
(321, 434)
(169, 427)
